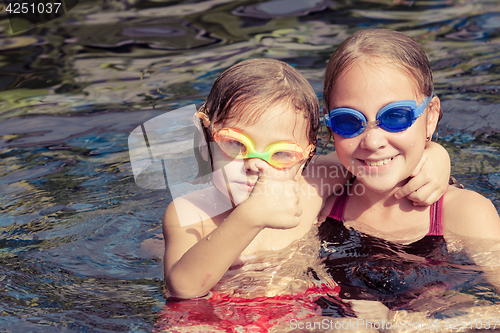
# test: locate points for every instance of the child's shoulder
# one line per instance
(468, 213)
(188, 209)
(327, 208)
(193, 208)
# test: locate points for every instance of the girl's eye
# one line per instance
(286, 156)
(347, 122)
(233, 146)
(397, 118)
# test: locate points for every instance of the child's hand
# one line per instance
(274, 201)
(430, 177)
(370, 310)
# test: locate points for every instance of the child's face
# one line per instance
(279, 123)
(378, 158)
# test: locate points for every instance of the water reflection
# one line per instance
(72, 219)
(279, 8)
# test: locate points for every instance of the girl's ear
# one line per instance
(204, 118)
(433, 116)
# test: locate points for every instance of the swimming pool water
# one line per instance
(77, 236)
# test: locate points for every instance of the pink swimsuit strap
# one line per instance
(435, 227)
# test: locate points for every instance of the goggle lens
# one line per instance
(346, 123)
(396, 120)
(286, 157)
(231, 146)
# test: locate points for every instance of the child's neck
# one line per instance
(386, 199)
(375, 212)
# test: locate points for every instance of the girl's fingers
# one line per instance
(413, 185)
(418, 167)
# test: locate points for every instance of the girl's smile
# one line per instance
(378, 163)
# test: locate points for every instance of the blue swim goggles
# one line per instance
(394, 117)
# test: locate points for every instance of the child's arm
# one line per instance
(193, 264)
(430, 178)
(429, 182)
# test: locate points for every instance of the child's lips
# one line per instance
(377, 163)
(248, 186)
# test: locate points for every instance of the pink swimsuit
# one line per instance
(435, 228)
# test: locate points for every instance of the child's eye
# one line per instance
(285, 156)
(233, 146)
(396, 118)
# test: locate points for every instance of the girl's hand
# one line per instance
(274, 201)
(430, 177)
(370, 310)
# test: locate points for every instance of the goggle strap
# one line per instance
(422, 106)
(299, 172)
(202, 114)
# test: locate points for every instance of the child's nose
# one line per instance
(374, 138)
(254, 165)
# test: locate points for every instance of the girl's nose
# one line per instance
(374, 138)
(254, 165)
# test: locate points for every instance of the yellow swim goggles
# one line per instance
(281, 155)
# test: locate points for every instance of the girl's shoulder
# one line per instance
(327, 208)
(469, 214)
(194, 209)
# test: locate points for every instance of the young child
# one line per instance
(381, 107)
(260, 121)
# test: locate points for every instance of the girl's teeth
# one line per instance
(378, 163)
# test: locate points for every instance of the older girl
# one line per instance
(382, 110)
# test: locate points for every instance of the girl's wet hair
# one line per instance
(246, 90)
(384, 44)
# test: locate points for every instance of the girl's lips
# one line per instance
(379, 163)
(246, 186)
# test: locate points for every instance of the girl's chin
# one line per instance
(239, 194)
(238, 199)
(378, 184)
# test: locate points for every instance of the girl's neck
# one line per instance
(387, 198)
(380, 214)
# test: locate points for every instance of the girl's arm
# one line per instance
(430, 177)
(194, 263)
(429, 182)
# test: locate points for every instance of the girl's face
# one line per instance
(279, 123)
(379, 159)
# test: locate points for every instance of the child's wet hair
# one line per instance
(385, 44)
(256, 85)
(246, 90)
